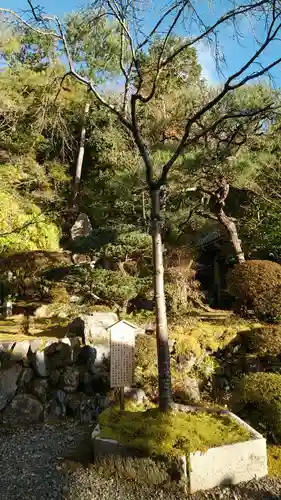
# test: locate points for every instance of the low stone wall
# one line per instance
(50, 380)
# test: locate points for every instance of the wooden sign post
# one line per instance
(122, 349)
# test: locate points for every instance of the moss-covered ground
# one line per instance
(169, 434)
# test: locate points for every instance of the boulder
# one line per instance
(39, 388)
(59, 354)
(25, 378)
(8, 384)
(20, 350)
(92, 328)
(54, 410)
(43, 311)
(5, 360)
(39, 363)
(189, 392)
(137, 395)
(186, 362)
(54, 377)
(23, 409)
(82, 407)
(81, 228)
(69, 379)
(35, 345)
(6, 346)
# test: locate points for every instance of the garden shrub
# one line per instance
(256, 285)
(258, 398)
(23, 273)
(264, 341)
(112, 287)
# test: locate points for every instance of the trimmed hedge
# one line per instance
(259, 398)
(256, 285)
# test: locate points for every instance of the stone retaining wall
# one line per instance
(42, 380)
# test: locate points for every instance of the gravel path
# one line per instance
(51, 462)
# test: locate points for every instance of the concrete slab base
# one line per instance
(220, 466)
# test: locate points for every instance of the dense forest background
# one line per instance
(41, 118)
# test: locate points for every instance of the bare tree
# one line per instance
(79, 163)
(133, 45)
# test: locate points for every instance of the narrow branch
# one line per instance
(243, 9)
(158, 66)
(192, 120)
(153, 31)
(87, 82)
(28, 25)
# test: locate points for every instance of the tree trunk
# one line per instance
(231, 229)
(164, 373)
(80, 158)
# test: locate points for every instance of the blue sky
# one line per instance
(236, 53)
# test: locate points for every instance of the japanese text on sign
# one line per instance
(122, 357)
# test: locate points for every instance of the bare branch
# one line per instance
(28, 25)
(243, 9)
(158, 66)
(87, 82)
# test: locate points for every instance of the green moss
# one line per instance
(169, 434)
(258, 397)
(274, 460)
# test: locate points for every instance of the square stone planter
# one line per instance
(219, 466)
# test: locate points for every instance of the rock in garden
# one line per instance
(82, 227)
(54, 377)
(8, 384)
(137, 395)
(186, 362)
(97, 356)
(35, 345)
(69, 379)
(59, 354)
(40, 388)
(23, 409)
(39, 362)
(6, 346)
(54, 410)
(20, 350)
(190, 392)
(43, 312)
(92, 327)
(25, 378)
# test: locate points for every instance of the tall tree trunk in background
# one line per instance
(164, 373)
(80, 158)
(231, 229)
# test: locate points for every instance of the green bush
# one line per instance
(258, 398)
(256, 285)
(112, 287)
(23, 273)
(264, 341)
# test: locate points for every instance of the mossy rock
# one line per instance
(169, 434)
(146, 371)
(258, 399)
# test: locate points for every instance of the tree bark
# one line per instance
(80, 158)
(164, 373)
(231, 229)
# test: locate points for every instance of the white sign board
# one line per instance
(122, 351)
